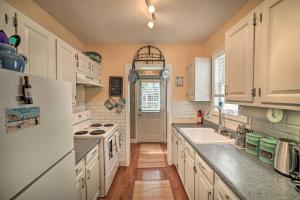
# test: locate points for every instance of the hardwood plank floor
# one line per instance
(123, 184)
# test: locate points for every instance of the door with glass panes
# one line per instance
(151, 108)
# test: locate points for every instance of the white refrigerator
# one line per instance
(37, 158)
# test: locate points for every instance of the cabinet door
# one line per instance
(191, 82)
(38, 45)
(239, 50)
(203, 189)
(174, 148)
(189, 176)
(80, 186)
(281, 60)
(7, 16)
(84, 63)
(95, 69)
(180, 167)
(66, 64)
(92, 179)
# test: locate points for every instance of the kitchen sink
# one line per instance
(205, 136)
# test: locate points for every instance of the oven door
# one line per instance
(110, 153)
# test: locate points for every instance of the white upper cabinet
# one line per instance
(84, 63)
(239, 67)
(38, 44)
(66, 64)
(280, 20)
(7, 18)
(199, 80)
(95, 69)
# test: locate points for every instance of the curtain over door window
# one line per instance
(150, 96)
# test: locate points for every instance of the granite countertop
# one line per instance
(83, 146)
(247, 176)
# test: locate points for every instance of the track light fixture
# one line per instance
(151, 10)
(151, 23)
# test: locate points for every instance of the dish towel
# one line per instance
(118, 141)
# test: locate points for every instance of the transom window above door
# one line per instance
(150, 96)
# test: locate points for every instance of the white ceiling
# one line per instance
(123, 21)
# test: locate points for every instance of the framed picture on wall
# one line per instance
(115, 86)
(179, 81)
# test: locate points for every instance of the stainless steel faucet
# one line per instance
(221, 128)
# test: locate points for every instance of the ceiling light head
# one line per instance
(150, 24)
(151, 9)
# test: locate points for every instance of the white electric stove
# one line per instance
(109, 147)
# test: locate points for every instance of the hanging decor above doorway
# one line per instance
(150, 56)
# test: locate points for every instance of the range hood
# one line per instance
(87, 80)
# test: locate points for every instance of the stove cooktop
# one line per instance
(96, 125)
(81, 132)
(97, 132)
(108, 125)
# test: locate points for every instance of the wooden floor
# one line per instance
(123, 184)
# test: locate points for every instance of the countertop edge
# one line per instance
(87, 150)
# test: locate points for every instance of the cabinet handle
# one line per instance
(226, 89)
(259, 92)
(182, 154)
(89, 174)
(227, 197)
(201, 166)
(6, 18)
(208, 195)
(83, 183)
(195, 169)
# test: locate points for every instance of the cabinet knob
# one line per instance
(208, 195)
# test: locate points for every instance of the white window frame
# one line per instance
(141, 103)
(215, 54)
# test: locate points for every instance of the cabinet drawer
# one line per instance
(80, 167)
(207, 171)
(91, 154)
(189, 149)
(223, 191)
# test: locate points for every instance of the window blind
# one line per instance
(219, 75)
(150, 96)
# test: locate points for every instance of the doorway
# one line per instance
(150, 109)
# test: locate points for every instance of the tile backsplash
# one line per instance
(188, 109)
(101, 114)
(288, 127)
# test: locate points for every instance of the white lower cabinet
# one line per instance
(87, 176)
(198, 178)
(203, 188)
(92, 179)
(80, 181)
(189, 176)
(80, 186)
(180, 166)
(222, 192)
(174, 147)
